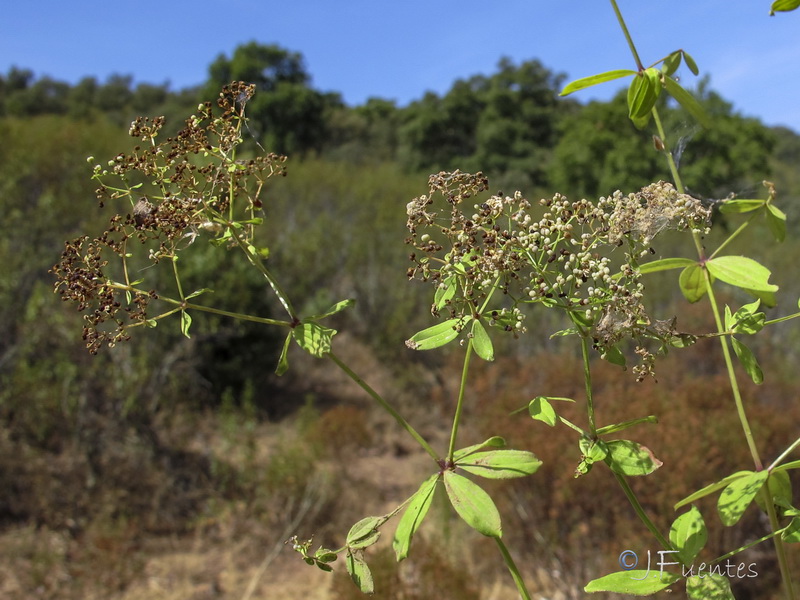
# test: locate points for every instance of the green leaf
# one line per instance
(665, 264)
(742, 272)
(314, 338)
(776, 221)
(740, 205)
(481, 341)
(540, 409)
(625, 424)
(783, 6)
(636, 582)
(472, 504)
(360, 573)
(283, 361)
(365, 532)
(435, 336)
(585, 82)
(445, 291)
(689, 535)
(746, 320)
(412, 517)
(795, 464)
(493, 442)
(692, 283)
(780, 490)
(186, 323)
(710, 489)
(792, 533)
(738, 495)
(593, 450)
(500, 464)
(338, 307)
(671, 63)
(630, 458)
(748, 361)
(198, 292)
(643, 93)
(709, 586)
(690, 63)
(687, 101)
(613, 355)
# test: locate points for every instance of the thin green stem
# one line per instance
(587, 380)
(732, 236)
(737, 396)
(628, 37)
(784, 454)
(641, 513)
(384, 404)
(512, 567)
(460, 404)
(780, 319)
(780, 549)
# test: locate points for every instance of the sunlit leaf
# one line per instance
(635, 583)
(493, 442)
(338, 307)
(540, 409)
(665, 264)
(688, 535)
(643, 93)
(687, 101)
(783, 6)
(186, 323)
(776, 221)
(365, 532)
(741, 271)
(625, 425)
(413, 516)
(283, 361)
(585, 82)
(709, 586)
(671, 63)
(690, 63)
(738, 495)
(742, 205)
(473, 504)
(630, 458)
(314, 338)
(710, 489)
(435, 336)
(360, 573)
(780, 490)
(481, 341)
(500, 464)
(445, 291)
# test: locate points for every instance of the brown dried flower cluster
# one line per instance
(564, 257)
(174, 190)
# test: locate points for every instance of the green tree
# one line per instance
(286, 114)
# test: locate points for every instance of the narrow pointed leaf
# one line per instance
(738, 495)
(500, 464)
(692, 283)
(338, 307)
(586, 82)
(625, 424)
(435, 336)
(740, 205)
(671, 63)
(795, 464)
(473, 504)
(638, 582)
(314, 338)
(445, 292)
(748, 361)
(630, 458)
(283, 361)
(665, 264)
(687, 101)
(360, 573)
(413, 516)
(481, 341)
(366, 530)
(741, 271)
(689, 535)
(493, 442)
(776, 221)
(709, 586)
(710, 489)
(186, 323)
(643, 93)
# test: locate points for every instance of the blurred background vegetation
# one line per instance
(169, 447)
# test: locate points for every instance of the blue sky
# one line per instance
(399, 50)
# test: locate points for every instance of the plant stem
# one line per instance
(587, 380)
(640, 512)
(460, 404)
(512, 567)
(784, 454)
(384, 404)
(628, 37)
